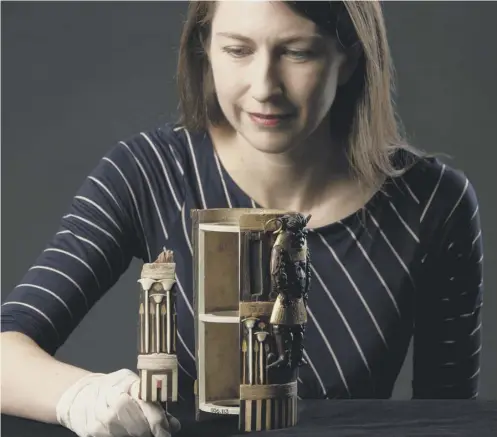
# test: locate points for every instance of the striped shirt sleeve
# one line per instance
(447, 332)
(97, 239)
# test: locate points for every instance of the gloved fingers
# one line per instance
(170, 423)
(106, 414)
(69, 401)
(122, 379)
(130, 415)
(156, 417)
(85, 417)
(154, 413)
(174, 424)
(97, 428)
(134, 390)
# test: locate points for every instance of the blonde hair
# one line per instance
(376, 130)
(363, 112)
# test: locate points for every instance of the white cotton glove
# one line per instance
(107, 405)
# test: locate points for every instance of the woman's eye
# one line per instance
(237, 52)
(299, 55)
(240, 52)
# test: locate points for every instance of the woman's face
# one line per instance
(275, 76)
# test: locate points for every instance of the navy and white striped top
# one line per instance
(409, 263)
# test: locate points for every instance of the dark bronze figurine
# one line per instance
(290, 282)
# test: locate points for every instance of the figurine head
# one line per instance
(295, 225)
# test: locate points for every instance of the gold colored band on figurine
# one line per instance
(272, 391)
(294, 314)
(255, 309)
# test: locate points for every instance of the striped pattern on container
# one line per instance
(267, 414)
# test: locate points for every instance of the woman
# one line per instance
(284, 105)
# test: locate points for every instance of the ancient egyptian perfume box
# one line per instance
(248, 334)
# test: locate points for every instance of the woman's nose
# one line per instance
(265, 79)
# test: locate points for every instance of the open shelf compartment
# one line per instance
(218, 323)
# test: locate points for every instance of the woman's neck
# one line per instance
(312, 178)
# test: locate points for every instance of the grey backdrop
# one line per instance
(77, 77)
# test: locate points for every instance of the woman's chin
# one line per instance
(277, 142)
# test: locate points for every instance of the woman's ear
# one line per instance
(352, 56)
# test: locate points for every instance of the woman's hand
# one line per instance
(107, 405)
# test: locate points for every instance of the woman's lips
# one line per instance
(268, 120)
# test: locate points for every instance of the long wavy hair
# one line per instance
(363, 113)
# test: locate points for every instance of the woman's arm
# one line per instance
(93, 246)
(102, 231)
(447, 338)
(32, 380)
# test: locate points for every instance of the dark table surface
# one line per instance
(332, 418)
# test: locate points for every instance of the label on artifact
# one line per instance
(219, 410)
